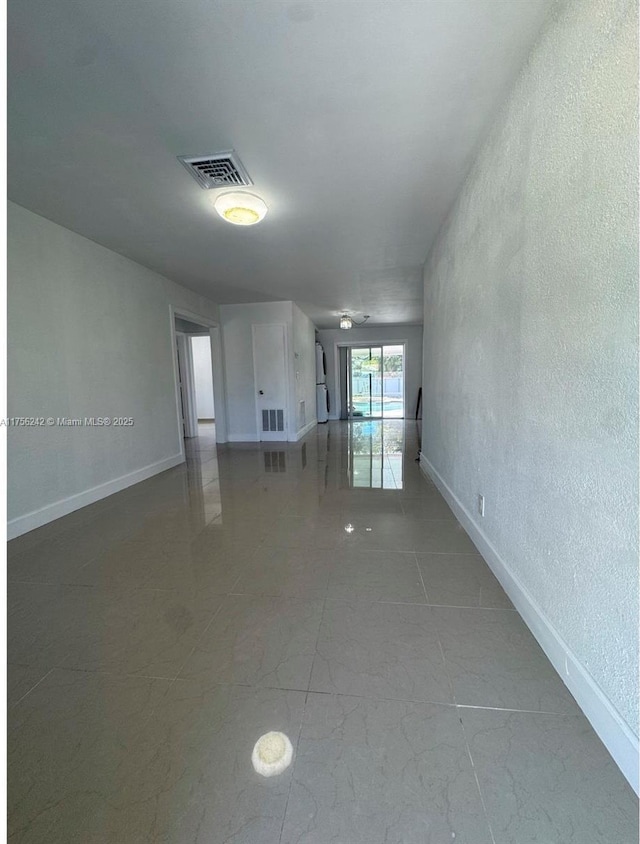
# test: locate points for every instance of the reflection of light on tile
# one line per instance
(369, 529)
(349, 528)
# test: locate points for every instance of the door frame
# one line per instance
(368, 345)
(286, 420)
(217, 371)
(187, 381)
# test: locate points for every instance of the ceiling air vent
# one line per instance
(219, 170)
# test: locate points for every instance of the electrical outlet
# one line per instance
(481, 505)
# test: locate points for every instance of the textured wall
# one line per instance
(530, 352)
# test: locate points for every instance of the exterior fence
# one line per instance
(390, 386)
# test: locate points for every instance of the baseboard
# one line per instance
(612, 729)
(303, 431)
(242, 438)
(37, 518)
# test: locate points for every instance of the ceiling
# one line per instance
(356, 119)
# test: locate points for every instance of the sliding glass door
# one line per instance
(375, 381)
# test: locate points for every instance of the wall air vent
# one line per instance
(273, 420)
(218, 170)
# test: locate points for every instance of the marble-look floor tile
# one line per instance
(260, 641)
(173, 576)
(205, 563)
(228, 534)
(21, 680)
(444, 536)
(67, 742)
(427, 507)
(300, 532)
(461, 580)
(48, 561)
(404, 533)
(146, 632)
(358, 575)
(189, 776)
(380, 650)
(357, 504)
(375, 772)
(138, 563)
(549, 778)
(286, 573)
(493, 660)
(43, 621)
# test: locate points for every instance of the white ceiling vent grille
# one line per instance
(219, 170)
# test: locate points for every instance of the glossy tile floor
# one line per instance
(323, 589)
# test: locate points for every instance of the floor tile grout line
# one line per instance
(304, 708)
(331, 693)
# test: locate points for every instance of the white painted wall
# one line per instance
(238, 355)
(237, 341)
(89, 334)
(530, 354)
(201, 351)
(304, 369)
(370, 335)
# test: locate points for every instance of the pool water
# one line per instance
(376, 408)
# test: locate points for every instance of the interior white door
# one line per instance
(269, 361)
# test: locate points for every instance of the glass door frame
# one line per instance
(349, 376)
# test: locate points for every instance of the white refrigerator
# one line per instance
(322, 394)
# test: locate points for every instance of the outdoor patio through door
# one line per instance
(375, 382)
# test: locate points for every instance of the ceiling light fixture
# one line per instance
(347, 322)
(240, 208)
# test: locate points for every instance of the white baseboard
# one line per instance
(303, 431)
(614, 732)
(242, 438)
(37, 518)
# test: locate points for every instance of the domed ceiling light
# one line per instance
(240, 208)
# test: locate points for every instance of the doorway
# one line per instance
(375, 381)
(186, 385)
(199, 379)
(203, 378)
